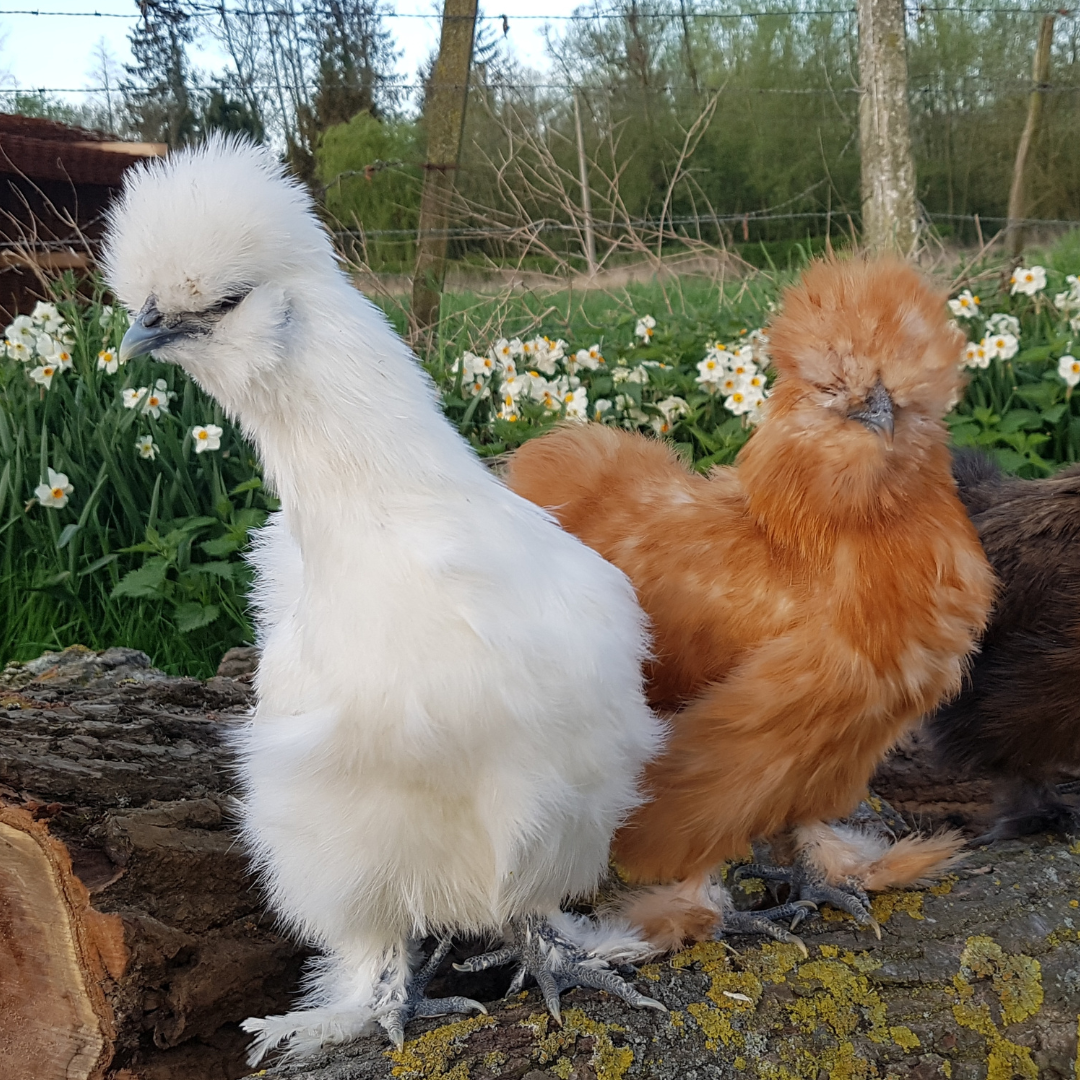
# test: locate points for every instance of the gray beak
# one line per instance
(148, 332)
(877, 413)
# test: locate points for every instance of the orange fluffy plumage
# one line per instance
(809, 604)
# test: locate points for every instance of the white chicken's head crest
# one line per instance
(193, 228)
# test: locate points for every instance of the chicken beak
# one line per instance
(877, 413)
(147, 333)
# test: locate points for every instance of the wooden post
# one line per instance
(586, 197)
(1014, 230)
(890, 213)
(444, 118)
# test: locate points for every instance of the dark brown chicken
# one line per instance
(1018, 718)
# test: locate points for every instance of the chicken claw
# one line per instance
(808, 883)
(761, 922)
(416, 1004)
(556, 964)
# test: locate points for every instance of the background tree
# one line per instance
(161, 105)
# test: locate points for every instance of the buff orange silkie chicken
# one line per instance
(809, 605)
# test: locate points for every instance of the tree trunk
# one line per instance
(1014, 230)
(890, 213)
(444, 120)
(132, 939)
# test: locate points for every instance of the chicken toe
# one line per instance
(556, 964)
(415, 1004)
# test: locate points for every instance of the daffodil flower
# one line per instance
(146, 447)
(644, 328)
(157, 401)
(108, 361)
(1069, 370)
(577, 404)
(1003, 324)
(23, 329)
(55, 493)
(1003, 345)
(17, 350)
(1028, 280)
(965, 306)
(206, 438)
(44, 373)
(976, 355)
(600, 406)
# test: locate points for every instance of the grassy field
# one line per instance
(145, 549)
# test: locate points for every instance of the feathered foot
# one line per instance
(1029, 807)
(809, 887)
(557, 964)
(762, 922)
(394, 1019)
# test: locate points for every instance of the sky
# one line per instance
(54, 51)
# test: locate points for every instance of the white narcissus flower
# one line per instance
(965, 306)
(55, 493)
(157, 400)
(62, 357)
(1003, 324)
(1069, 370)
(206, 438)
(515, 385)
(146, 447)
(17, 350)
(710, 370)
(1003, 345)
(577, 404)
(108, 361)
(131, 397)
(738, 403)
(22, 329)
(673, 407)
(48, 318)
(502, 352)
(106, 315)
(44, 374)
(644, 328)
(1028, 280)
(600, 406)
(976, 354)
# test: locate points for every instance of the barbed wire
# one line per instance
(968, 84)
(200, 10)
(652, 225)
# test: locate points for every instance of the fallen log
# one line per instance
(977, 978)
(132, 937)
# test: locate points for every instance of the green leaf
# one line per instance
(1019, 419)
(223, 545)
(225, 570)
(195, 616)
(97, 564)
(66, 534)
(147, 580)
(248, 485)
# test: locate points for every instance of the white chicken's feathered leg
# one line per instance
(416, 1003)
(348, 997)
(556, 964)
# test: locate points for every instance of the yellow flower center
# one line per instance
(57, 493)
(203, 435)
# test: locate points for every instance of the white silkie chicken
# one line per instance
(450, 719)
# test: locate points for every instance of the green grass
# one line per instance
(148, 553)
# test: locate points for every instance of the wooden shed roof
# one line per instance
(40, 149)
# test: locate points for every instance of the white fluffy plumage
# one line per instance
(450, 719)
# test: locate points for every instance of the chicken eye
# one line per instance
(227, 303)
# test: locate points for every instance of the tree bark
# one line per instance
(890, 213)
(132, 938)
(444, 119)
(977, 978)
(1040, 75)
